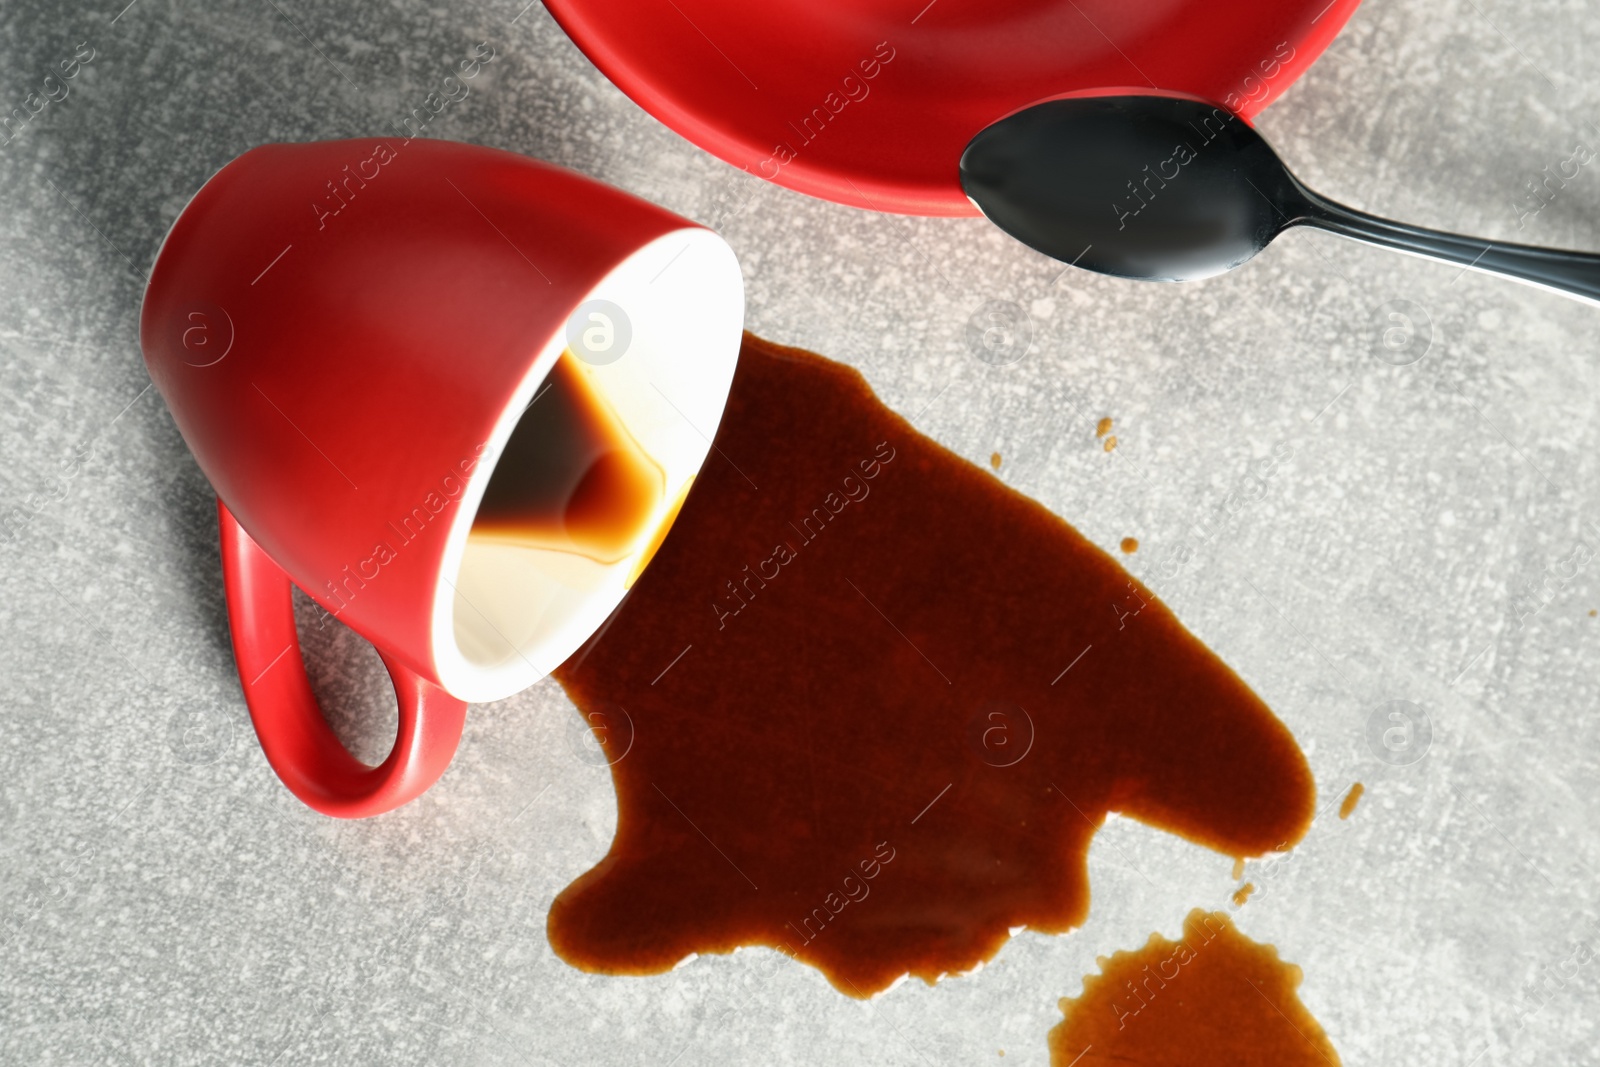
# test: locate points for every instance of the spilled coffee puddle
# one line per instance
(1213, 999)
(874, 704)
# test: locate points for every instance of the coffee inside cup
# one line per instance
(572, 481)
(574, 499)
(588, 465)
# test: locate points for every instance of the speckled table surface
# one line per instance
(165, 900)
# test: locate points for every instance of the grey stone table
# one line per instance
(1429, 540)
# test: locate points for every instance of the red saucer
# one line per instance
(870, 102)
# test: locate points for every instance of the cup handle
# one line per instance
(300, 746)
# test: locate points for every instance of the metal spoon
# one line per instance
(1168, 188)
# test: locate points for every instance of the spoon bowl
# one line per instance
(1169, 188)
(1150, 187)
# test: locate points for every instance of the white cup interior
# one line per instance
(506, 614)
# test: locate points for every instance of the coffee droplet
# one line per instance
(1242, 894)
(1130, 545)
(1111, 442)
(994, 460)
(1104, 427)
(1351, 799)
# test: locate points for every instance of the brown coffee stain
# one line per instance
(1238, 868)
(1130, 545)
(1351, 799)
(1111, 443)
(880, 706)
(1242, 894)
(1104, 427)
(994, 460)
(1213, 999)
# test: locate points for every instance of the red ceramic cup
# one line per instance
(347, 334)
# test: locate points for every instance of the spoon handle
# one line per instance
(1573, 273)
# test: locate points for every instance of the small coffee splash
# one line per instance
(994, 460)
(1213, 999)
(1242, 894)
(1104, 427)
(877, 708)
(1348, 806)
(1130, 545)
